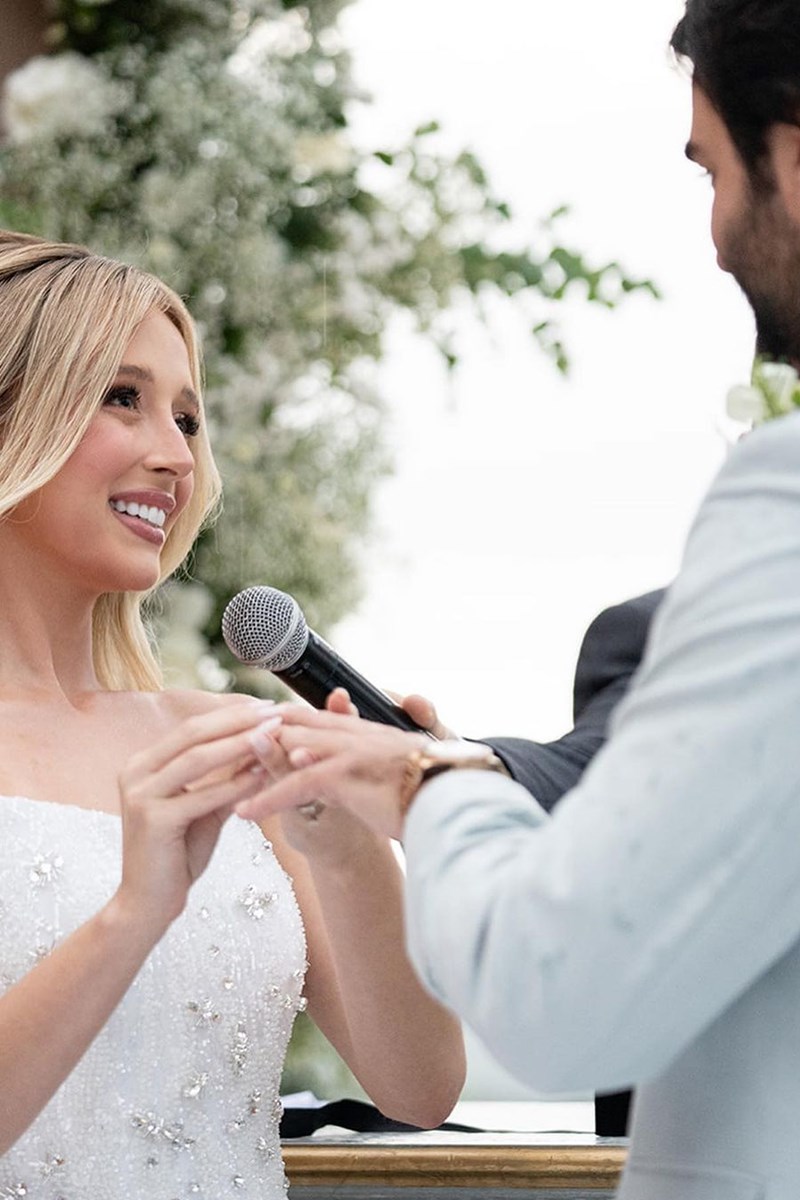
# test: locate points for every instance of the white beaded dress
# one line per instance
(177, 1098)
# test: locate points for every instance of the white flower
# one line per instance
(774, 390)
(286, 36)
(185, 656)
(323, 152)
(779, 382)
(60, 94)
(744, 403)
(190, 605)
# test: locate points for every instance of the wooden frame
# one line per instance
(540, 1163)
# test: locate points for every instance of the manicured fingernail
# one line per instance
(301, 757)
(242, 810)
(260, 738)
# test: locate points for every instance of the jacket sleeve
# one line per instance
(589, 948)
(610, 654)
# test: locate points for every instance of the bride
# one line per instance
(153, 953)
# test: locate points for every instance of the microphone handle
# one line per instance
(319, 670)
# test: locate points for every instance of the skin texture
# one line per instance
(755, 229)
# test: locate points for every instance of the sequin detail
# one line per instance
(195, 1086)
(204, 1012)
(240, 1048)
(48, 1168)
(255, 903)
(151, 1126)
(45, 870)
(264, 1148)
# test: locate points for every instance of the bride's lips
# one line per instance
(156, 506)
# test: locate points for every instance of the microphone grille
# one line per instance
(265, 628)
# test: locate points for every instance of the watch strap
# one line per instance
(421, 769)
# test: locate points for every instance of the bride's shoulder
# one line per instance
(179, 703)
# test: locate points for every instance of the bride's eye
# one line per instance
(122, 396)
(188, 424)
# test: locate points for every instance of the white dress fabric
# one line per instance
(177, 1098)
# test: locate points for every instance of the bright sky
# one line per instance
(523, 504)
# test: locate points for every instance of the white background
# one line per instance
(523, 504)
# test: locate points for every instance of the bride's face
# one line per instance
(103, 519)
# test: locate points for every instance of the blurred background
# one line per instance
(467, 344)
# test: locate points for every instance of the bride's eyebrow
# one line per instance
(144, 375)
(133, 372)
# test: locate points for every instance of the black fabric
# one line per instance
(611, 1112)
(611, 651)
(350, 1114)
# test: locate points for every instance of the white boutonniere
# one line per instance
(774, 390)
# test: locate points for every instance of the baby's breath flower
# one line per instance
(318, 153)
(66, 94)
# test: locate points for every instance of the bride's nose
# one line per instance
(168, 450)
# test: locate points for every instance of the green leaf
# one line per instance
(427, 128)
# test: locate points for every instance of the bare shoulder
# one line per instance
(179, 703)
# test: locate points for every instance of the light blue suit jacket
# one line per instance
(648, 932)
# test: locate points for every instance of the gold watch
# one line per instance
(451, 754)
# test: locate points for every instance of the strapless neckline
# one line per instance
(4, 796)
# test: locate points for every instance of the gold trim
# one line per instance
(555, 1167)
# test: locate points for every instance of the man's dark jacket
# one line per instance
(611, 651)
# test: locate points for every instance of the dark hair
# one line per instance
(746, 58)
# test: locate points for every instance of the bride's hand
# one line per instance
(318, 832)
(342, 762)
(175, 797)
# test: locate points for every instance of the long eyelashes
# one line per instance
(123, 395)
(188, 424)
(128, 397)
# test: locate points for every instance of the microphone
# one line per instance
(264, 627)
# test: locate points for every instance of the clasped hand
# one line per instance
(175, 798)
(339, 761)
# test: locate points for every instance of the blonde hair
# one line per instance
(66, 317)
